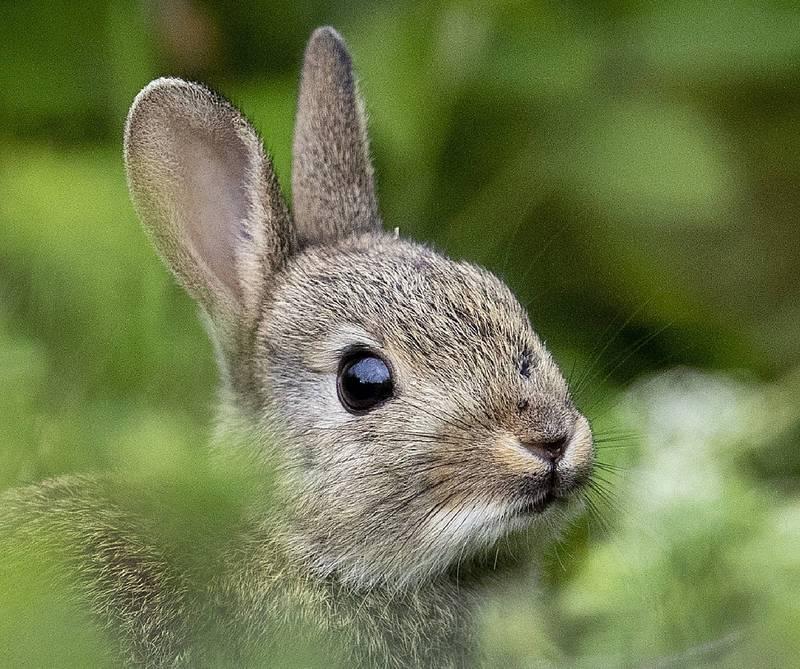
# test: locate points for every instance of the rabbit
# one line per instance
(412, 416)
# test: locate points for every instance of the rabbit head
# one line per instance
(422, 419)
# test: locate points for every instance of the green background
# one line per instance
(631, 169)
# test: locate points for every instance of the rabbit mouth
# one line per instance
(540, 495)
(539, 504)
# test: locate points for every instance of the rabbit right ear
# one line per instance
(208, 195)
(333, 189)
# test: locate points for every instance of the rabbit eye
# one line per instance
(364, 381)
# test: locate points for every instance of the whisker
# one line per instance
(596, 515)
(405, 502)
(623, 358)
(621, 441)
(615, 434)
(610, 468)
(590, 369)
(604, 495)
(453, 420)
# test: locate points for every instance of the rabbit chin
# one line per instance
(447, 539)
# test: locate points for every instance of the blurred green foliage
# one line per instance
(630, 168)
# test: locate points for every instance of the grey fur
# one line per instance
(375, 514)
(333, 189)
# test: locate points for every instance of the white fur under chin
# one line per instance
(451, 536)
(448, 538)
(452, 531)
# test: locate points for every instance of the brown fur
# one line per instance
(372, 515)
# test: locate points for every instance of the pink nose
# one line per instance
(550, 450)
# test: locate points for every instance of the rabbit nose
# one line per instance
(549, 450)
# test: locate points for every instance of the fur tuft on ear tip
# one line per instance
(326, 34)
(326, 42)
(153, 94)
(156, 86)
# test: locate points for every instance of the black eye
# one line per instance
(364, 381)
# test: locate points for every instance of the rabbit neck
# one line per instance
(427, 625)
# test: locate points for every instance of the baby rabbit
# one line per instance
(413, 417)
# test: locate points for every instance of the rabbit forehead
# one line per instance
(437, 320)
(403, 297)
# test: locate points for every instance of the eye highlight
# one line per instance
(364, 381)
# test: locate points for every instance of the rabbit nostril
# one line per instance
(550, 450)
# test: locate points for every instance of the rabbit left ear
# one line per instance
(333, 187)
(208, 195)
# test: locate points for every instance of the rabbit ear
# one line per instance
(208, 195)
(332, 184)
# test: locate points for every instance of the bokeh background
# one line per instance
(632, 170)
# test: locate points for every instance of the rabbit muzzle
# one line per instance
(562, 464)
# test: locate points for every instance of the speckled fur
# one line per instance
(378, 512)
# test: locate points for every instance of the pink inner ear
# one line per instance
(216, 204)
